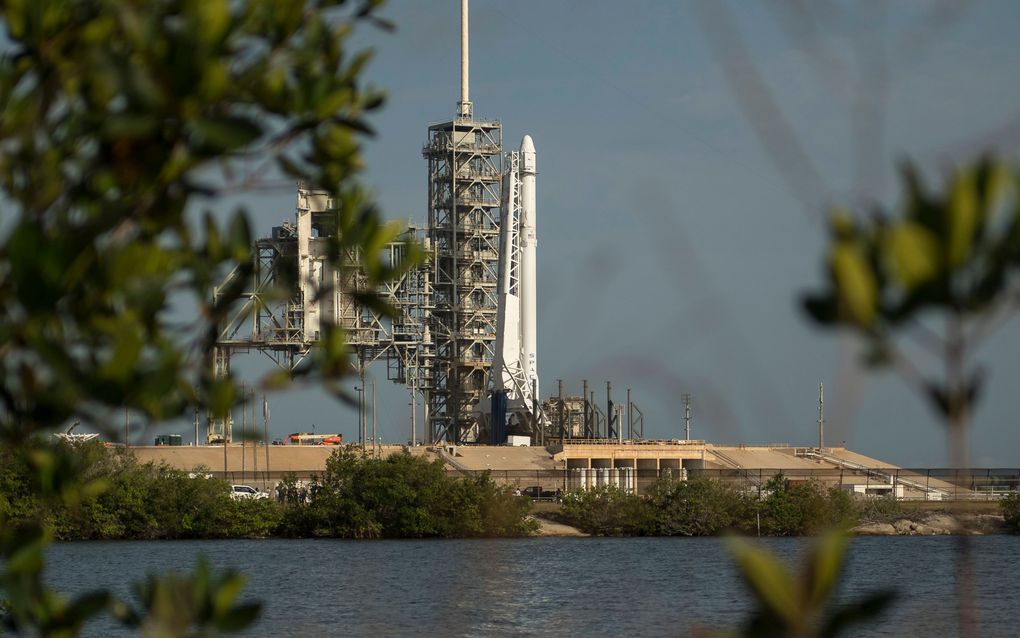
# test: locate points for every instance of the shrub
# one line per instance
(791, 508)
(1010, 506)
(608, 511)
(139, 501)
(700, 506)
(402, 496)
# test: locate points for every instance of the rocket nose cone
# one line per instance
(527, 146)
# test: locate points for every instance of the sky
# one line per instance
(681, 216)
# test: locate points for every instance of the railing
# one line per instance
(954, 485)
(608, 441)
(930, 492)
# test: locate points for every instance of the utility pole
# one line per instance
(254, 440)
(587, 410)
(244, 428)
(375, 437)
(361, 437)
(265, 429)
(413, 410)
(363, 411)
(687, 416)
(821, 416)
(196, 426)
(559, 383)
(630, 419)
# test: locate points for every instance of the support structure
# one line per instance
(464, 179)
(465, 172)
(295, 258)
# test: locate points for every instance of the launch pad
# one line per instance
(464, 336)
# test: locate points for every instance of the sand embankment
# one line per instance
(552, 528)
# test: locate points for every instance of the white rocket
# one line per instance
(514, 375)
(529, 243)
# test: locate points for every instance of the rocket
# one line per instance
(528, 245)
(514, 374)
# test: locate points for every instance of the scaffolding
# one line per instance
(465, 174)
(294, 292)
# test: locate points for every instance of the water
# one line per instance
(541, 586)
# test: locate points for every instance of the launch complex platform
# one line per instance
(631, 466)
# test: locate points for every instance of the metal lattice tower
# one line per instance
(465, 173)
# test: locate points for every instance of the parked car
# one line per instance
(239, 492)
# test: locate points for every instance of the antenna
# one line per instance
(464, 106)
(821, 417)
(687, 416)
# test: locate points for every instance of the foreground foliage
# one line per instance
(120, 124)
(803, 604)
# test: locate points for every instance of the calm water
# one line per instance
(542, 586)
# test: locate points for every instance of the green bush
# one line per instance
(793, 508)
(699, 506)
(608, 511)
(878, 508)
(140, 501)
(702, 506)
(402, 496)
(1010, 506)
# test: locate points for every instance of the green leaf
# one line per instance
(855, 284)
(912, 253)
(222, 395)
(238, 617)
(226, 592)
(226, 133)
(769, 579)
(822, 308)
(871, 607)
(214, 19)
(962, 218)
(824, 567)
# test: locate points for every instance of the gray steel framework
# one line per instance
(293, 292)
(465, 174)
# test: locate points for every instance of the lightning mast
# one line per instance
(465, 171)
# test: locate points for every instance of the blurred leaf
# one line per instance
(226, 133)
(963, 219)
(824, 565)
(822, 308)
(912, 251)
(239, 617)
(769, 579)
(848, 615)
(855, 283)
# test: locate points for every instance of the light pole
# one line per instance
(361, 395)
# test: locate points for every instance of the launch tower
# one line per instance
(465, 171)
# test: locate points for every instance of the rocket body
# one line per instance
(529, 244)
(514, 374)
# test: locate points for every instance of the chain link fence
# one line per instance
(932, 484)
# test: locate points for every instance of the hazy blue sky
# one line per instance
(672, 245)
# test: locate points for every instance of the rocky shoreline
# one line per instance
(934, 524)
